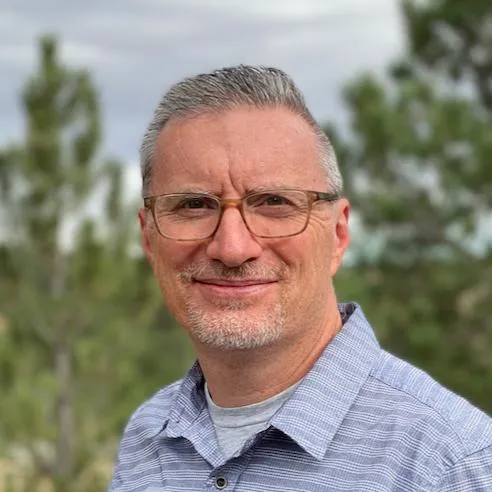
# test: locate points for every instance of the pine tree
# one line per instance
(419, 175)
(88, 339)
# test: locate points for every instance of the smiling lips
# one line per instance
(233, 287)
(233, 282)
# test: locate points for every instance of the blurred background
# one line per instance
(404, 89)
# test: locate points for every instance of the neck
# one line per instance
(243, 377)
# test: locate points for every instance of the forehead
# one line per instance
(241, 149)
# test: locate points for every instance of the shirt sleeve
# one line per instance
(470, 474)
(115, 481)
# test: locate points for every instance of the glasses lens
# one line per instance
(187, 216)
(276, 213)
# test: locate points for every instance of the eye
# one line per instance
(275, 200)
(196, 203)
(193, 203)
(281, 204)
(268, 200)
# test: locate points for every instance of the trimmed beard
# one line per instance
(234, 328)
(231, 325)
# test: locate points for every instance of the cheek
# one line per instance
(174, 255)
(170, 259)
(306, 256)
(309, 258)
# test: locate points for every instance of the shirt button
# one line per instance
(220, 483)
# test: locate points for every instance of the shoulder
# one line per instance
(440, 437)
(137, 447)
(442, 421)
(149, 418)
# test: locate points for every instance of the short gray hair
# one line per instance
(230, 88)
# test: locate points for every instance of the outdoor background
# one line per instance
(403, 89)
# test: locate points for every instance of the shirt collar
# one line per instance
(315, 411)
(188, 403)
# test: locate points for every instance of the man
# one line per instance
(245, 225)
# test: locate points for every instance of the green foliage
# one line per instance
(85, 338)
(83, 335)
(419, 176)
(453, 38)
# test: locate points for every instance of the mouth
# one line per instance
(232, 282)
(233, 288)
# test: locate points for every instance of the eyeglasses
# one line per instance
(267, 214)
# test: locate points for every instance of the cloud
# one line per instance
(132, 180)
(87, 54)
(137, 49)
(19, 55)
(146, 29)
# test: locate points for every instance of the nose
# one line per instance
(232, 243)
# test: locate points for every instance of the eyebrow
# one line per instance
(269, 187)
(254, 189)
(195, 190)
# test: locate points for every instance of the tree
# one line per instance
(418, 172)
(454, 39)
(87, 337)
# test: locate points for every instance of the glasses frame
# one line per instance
(312, 196)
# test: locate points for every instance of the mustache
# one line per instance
(216, 269)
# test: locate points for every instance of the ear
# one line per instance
(146, 231)
(341, 234)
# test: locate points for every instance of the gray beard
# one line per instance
(233, 327)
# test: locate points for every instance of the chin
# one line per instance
(235, 328)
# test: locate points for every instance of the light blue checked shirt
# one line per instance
(361, 420)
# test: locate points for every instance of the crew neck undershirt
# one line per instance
(235, 426)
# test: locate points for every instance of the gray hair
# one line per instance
(230, 88)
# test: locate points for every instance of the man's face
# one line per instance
(235, 290)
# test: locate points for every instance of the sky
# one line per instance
(135, 49)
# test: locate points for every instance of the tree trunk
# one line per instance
(64, 409)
